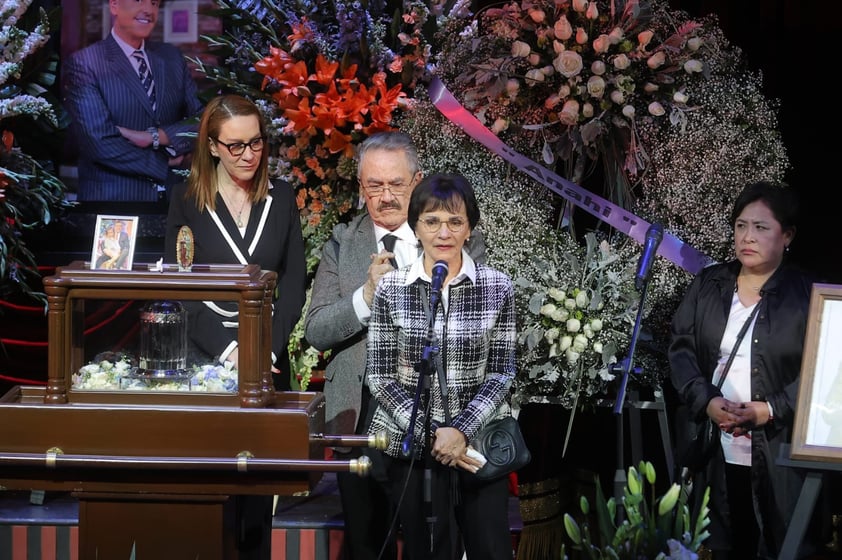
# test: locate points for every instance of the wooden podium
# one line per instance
(156, 472)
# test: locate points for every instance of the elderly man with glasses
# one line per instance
(353, 260)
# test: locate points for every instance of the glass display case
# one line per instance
(158, 364)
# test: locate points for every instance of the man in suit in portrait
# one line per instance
(131, 100)
(353, 260)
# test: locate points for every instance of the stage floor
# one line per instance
(304, 527)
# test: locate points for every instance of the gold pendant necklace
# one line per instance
(239, 218)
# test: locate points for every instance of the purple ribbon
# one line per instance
(671, 247)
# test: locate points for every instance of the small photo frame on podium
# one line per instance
(114, 242)
(817, 433)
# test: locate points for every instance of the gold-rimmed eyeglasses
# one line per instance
(431, 224)
(236, 149)
(397, 189)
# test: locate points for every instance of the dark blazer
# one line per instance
(103, 91)
(273, 240)
(777, 343)
(331, 322)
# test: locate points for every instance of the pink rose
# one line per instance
(562, 28)
(598, 67)
(580, 5)
(656, 60)
(617, 97)
(644, 37)
(592, 13)
(601, 44)
(616, 35)
(569, 114)
(581, 36)
(628, 111)
(656, 109)
(537, 15)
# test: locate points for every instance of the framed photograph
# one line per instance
(180, 21)
(817, 433)
(114, 240)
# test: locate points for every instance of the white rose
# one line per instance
(573, 325)
(534, 77)
(570, 304)
(621, 62)
(582, 300)
(547, 309)
(568, 63)
(693, 66)
(587, 330)
(552, 334)
(680, 97)
(499, 125)
(596, 86)
(565, 342)
(572, 356)
(520, 49)
(560, 315)
(587, 110)
(596, 324)
(694, 43)
(580, 342)
(628, 111)
(556, 294)
(597, 347)
(656, 109)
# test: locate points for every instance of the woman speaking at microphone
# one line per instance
(467, 337)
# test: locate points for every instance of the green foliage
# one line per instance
(644, 526)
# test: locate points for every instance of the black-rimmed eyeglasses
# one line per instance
(237, 149)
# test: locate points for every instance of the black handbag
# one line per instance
(504, 448)
(701, 437)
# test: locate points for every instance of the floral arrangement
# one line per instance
(683, 167)
(579, 317)
(107, 375)
(30, 195)
(582, 74)
(660, 528)
(326, 76)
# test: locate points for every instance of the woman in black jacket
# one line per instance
(752, 498)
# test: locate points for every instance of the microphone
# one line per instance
(654, 235)
(439, 274)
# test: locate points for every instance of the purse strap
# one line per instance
(733, 353)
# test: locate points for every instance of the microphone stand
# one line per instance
(425, 368)
(625, 367)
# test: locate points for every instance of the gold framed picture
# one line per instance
(817, 433)
(114, 242)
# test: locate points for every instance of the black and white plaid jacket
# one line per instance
(476, 336)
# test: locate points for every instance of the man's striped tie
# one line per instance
(145, 76)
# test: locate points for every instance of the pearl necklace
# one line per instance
(239, 218)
